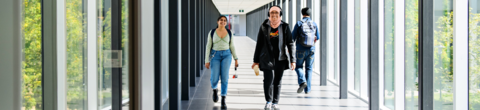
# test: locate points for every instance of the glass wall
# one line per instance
(104, 39)
(32, 55)
(357, 47)
(336, 40)
(443, 51)
(389, 61)
(411, 54)
(76, 39)
(125, 49)
(474, 52)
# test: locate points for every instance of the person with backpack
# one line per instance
(218, 58)
(272, 57)
(305, 34)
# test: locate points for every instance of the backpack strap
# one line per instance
(230, 35)
(211, 35)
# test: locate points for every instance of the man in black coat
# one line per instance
(272, 57)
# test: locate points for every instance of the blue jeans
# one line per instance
(307, 57)
(220, 66)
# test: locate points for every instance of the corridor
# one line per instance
(246, 92)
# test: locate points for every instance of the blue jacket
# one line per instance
(296, 32)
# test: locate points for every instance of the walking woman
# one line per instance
(271, 57)
(218, 57)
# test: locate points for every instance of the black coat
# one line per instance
(264, 48)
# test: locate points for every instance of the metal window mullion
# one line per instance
(373, 71)
(399, 48)
(173, 55)
(290, 18)
(297, 11)
(461, 55)
(91, 55)
(185, 65)
(343, 80)
(11, 57)
(116, 41)
(426, 54)
(49, 61)
(323, 42)
(61, 56)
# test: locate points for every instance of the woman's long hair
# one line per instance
(221, 16)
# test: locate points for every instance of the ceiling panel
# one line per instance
(233, 6)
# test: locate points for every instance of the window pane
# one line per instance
(336, 40)
(389, 94)
(411, 54)
(443, 60)
(474, 52)
(32, 55)
(357, 46)
(125, 50)
(76, 54)
(104, 43)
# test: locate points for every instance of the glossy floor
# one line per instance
(246, 92)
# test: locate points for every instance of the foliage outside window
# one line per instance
(32, 55)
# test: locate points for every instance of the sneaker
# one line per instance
(268, 106)
(275, 107)
(215, 95)
(301, 88)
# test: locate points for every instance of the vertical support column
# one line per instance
(198, 38)
(148, 32)
(116, 45)
(298, 10)
(174, 50)
(399, 47)
(343, 49)
(10, 61)
(193, 43)
(185, 42)
(373, 49)
(460, 54)
(49, 34)
(310, 5)
(323, 43)
(61, 55)
(425, 59)
(290, 11)
(92, 96)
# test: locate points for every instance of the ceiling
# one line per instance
(233, 6)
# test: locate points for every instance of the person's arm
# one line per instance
(208, 48)
(232, 48)
(259, 46)
(294, 32)
(290, 45)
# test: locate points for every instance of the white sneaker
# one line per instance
(268, 106)
(275, 107)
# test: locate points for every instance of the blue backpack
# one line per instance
(307, 34)
(213, 32)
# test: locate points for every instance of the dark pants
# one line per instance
(272, 82)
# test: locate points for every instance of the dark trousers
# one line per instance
(272, 82)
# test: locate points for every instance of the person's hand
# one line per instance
(207, 65)
(254, 65)
(292, 65)
(236, 63)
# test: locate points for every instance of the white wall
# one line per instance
(242, 25)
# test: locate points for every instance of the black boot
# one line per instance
(224, 105)
(215, 95)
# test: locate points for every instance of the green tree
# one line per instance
(32, 55)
